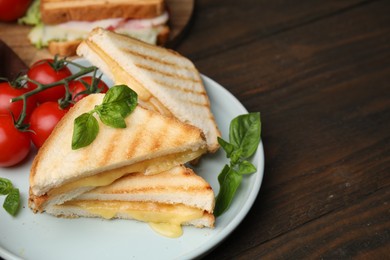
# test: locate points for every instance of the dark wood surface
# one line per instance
(319, 73)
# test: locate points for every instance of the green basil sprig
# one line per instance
(12, 201)
(244, 138)
(118, 103)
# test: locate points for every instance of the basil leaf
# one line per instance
(244, 133)
(85, 130)
(235, 157)
(246, 167)
(229, 180)
(244, 138)
(11, 202)
(111, 117)
(5, 186)
(228, 147)
(118, 102)
(231, 151)
(122, 99)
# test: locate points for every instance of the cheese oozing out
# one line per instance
(165, 219)
(152, 166)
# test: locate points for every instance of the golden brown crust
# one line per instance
(54, 12)
(35, 202)
(63, 48)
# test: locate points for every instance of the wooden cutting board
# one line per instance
(15, 35)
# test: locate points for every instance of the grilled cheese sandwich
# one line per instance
(150, 143)
(164, 80)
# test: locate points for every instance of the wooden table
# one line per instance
(319, 73)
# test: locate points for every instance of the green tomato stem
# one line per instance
(41, 87)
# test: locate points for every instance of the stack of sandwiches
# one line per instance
(66, 23)
(139, 172)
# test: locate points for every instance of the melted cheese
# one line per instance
(167, 229)
(152, 166)
(165, 219)
(120, 75)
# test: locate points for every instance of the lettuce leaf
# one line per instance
(33, 15)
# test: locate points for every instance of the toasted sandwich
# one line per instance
(65, 23)
(166, 201)
(164, 80)
(150, 143)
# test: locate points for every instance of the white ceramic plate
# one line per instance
(40, 236)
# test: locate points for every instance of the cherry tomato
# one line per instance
(14, 144)
(77, 86)
(43, 120)
(44, 73)
(7, 92)
(10, 10)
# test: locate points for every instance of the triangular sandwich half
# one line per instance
(150, 143)
(166, 201)
(164, 80)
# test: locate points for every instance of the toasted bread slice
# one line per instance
(58, 11)
(179, 185)
(176, 196)
(164, 80)
(150, 144)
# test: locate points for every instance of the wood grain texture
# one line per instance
(229, 24)
(322, 85)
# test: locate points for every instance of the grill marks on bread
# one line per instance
(141, 141)
(154, 59)
(169, 75)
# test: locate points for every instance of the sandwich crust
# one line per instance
(67, 48)
(58, 11)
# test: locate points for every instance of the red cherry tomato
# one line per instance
(14, 144)
(10, 10)
(77, 87)
(43, 120)
(44, 73)
(7, 92)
